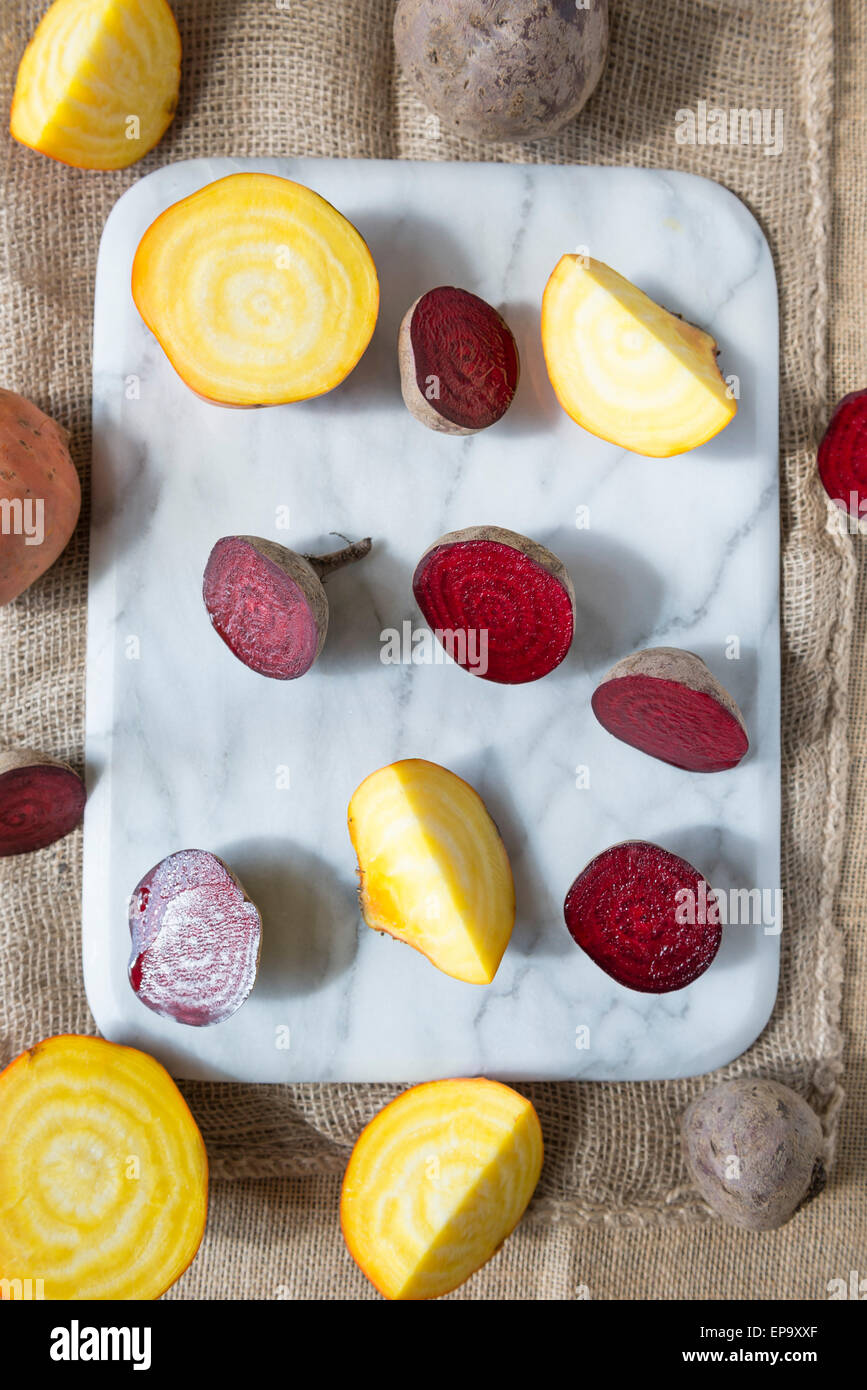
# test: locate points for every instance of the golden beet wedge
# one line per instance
(98, 84)
(432, 868)
(436, 1182)
(103, 1173)
(627, 369)
(258, 290)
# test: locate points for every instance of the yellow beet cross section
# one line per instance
(436, 1183)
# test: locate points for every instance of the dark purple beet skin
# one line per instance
(627, 911)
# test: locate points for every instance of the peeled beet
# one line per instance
(502, 606)
(41, 800)
(268, 604)
(628, 910)
(843, 455)
(458, 361)
(195, 939)
(667, 703)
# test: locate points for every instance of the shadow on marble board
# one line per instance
(365, 599)
(617, 595)
(728, 860)
(539, 933)
(414, 255)
(309, 916)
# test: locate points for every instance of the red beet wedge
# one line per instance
(843, 455)
(502, 606)
(667, 703)
(645, 916)
(41, 800)
(458, 361)
(195, 939)
(268, 603)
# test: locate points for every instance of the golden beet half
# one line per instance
(98, 84)
(436, 1182)
(258, 290)
(103, 1173)
(627, 369)
(433, 871)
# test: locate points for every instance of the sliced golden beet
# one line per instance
(627, 369)
(258, 290)
(436, 1182)
(103, 1173)
(433, 870)
(98, 84)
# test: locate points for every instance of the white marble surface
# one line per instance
(184, 743)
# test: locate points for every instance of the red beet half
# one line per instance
(196, 938)
(645, 916)
(843, 455)
(667, 703)
(502, 606)
(458, 361)
(41, 800)
(268, 603)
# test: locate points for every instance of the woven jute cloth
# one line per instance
(292, 77)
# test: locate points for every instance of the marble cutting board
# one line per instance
(186, 747)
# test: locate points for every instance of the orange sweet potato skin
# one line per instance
(34, 465)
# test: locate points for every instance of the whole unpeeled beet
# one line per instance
(754, 1150)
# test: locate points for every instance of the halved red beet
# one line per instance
(843, 455)
(458, 361)
(268, 604)
(502, 606)
(630, 910)
(196, 938)
(41, 800)
(667, 703)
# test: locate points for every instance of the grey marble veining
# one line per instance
(186, 747)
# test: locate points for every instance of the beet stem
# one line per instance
(326, 565)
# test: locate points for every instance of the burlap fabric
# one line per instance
(297, 77)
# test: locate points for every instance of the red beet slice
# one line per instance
(667, 703)
(268, 604)
(843, 455)
(458, 361)
(195, 939)
(41, 800)
(502, 606)
(629, 911)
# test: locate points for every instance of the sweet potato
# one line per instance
(40, 495)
